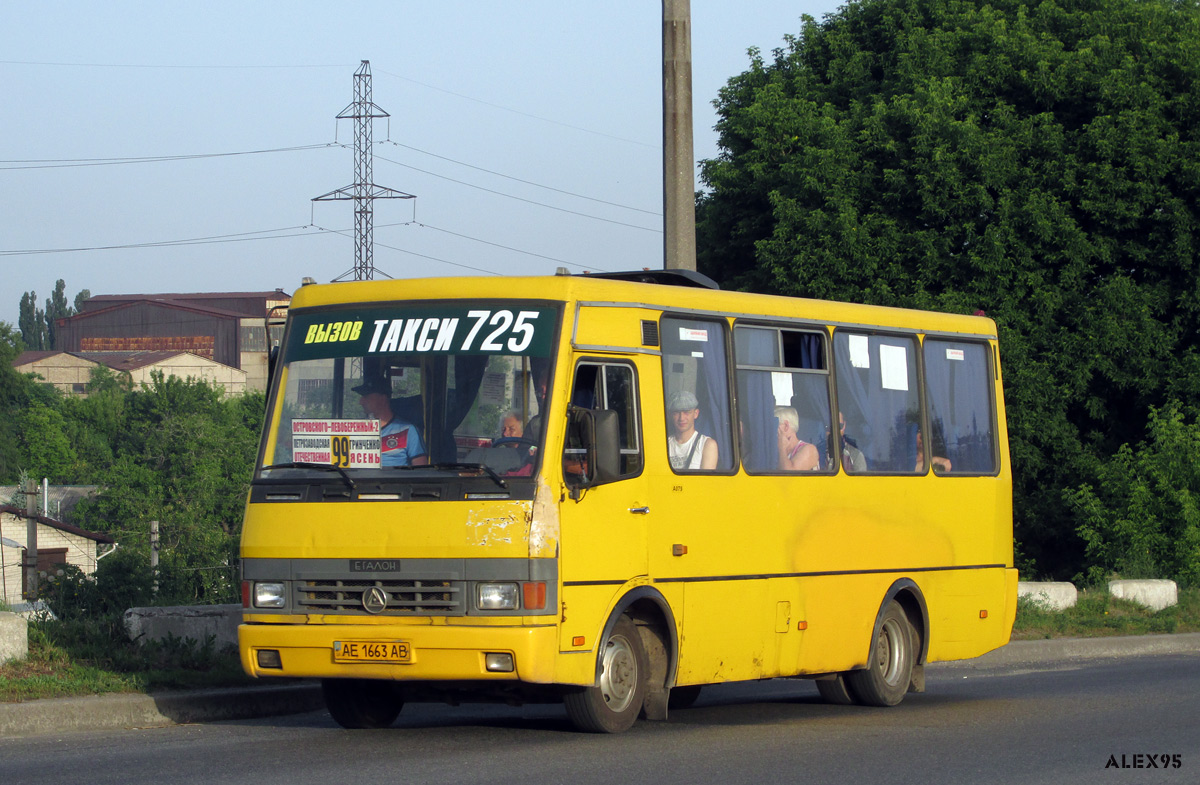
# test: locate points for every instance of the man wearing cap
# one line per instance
(687, 448)
(399, 442)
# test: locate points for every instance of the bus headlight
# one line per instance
(269, 595)
(496, 597)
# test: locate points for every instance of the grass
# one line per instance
(1097, 614)
(92, 656)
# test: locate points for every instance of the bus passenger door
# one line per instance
(604, 529)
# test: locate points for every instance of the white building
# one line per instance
(57, 543)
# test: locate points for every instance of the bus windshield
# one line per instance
(376, 389)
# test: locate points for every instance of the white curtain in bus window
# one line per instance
(694, 366)
(878, 398)
(958, 392)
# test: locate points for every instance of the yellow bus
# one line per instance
(610, 490)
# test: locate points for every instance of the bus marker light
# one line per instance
(577, 640)
(678, 550)
(983, 614)
(534, 595)
(802, 625)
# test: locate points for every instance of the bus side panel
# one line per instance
(725, 629)
(968, 611)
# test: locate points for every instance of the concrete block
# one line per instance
(1153, 594)
(196, 622)
(14, 637)
(1053, 595)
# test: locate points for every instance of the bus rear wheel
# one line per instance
(889, 667)
(613, 704)
(359, 704)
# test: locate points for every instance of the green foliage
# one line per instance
(1142, 520)
(1038, 162)
(56, 308)
(89, 656)
(32, 321)
(1097, 614)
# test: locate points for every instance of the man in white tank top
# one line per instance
(687, 448)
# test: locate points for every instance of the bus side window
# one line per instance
(696, 384)
(782, 369)
(958, 393)
(610, 386)
(879, 401)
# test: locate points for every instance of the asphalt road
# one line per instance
(1066, 721)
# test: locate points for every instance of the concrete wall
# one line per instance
(196, 622)
(1053, 595)
(68, 373)
(190, 366)
(14, 637)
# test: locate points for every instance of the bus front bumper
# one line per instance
(429, 653)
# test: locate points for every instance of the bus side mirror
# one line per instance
(592, 455)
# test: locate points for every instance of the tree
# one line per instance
(32, 321)
(56, 308)
(1038, 162)
(182, 454)
(82, 297)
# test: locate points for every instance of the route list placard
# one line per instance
(350, 444)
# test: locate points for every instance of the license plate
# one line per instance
(372, 651)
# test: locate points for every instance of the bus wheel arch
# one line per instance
(648, 614)
(897, 649)
(906, 592)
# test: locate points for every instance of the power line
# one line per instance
(523, 114)
(65, 163)
(521, 199)
(519, 180)
(149, 66)
(345, 233)
(498, 245)
(218, 238)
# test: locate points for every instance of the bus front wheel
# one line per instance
(361, 703)
(613, 703)
(889, 667)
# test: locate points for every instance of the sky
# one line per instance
(529, 132)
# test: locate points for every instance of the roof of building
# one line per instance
(130, 360)
(61, 499)
(8, 509)
(275, 295)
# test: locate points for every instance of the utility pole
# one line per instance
(154, 556)
(679, 182)
(31, 549)
(363, 191)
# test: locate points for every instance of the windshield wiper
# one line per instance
(490, 471)
(323, 467)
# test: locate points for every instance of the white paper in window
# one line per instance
(781, 388)
(860, 355)
(689, 334)
(955, 354)
(893, 367)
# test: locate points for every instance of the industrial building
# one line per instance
(231, 329)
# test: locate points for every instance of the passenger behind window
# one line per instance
(687, 448)
(853, 459)
(940, 464)
(795, 454)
